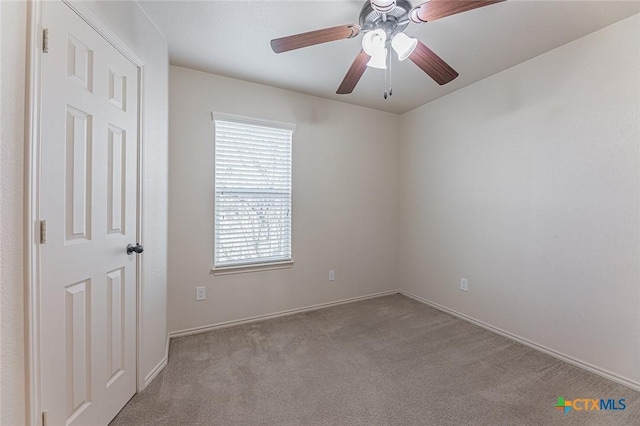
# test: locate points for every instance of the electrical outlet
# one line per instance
(201, 293)
(464, 284)
(332, 275)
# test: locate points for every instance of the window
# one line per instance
(252, 192)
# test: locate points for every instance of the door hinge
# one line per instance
(43, 232)
(44, 418)
(45, 40)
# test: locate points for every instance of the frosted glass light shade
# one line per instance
(379, 60)
(373, 42)
(403, 45)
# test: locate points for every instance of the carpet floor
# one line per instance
(384, 361)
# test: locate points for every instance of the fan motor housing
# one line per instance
(397, 18)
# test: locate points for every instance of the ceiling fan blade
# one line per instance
(432, 64)
(436, 9)
(354, 74)
(311, 38)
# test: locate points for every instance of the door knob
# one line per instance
(137, 248)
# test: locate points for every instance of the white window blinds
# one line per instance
(252, 193)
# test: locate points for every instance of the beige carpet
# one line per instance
(384, 361)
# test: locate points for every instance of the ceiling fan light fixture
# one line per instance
(403, 45)
(382, 22)
(373, 44)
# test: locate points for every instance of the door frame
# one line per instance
(32, 175)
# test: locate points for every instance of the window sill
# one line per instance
(252, 267)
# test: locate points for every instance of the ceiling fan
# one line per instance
(383, 23)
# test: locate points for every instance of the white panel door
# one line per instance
(89, 140)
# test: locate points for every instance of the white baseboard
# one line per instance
(159, 367)
(573, 361)
(206, 328)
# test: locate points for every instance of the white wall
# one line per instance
(528, 184)
(344, 201)
(13, 23)
(129, 23)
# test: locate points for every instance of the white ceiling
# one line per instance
(231, 38)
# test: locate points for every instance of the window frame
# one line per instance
(250, 266)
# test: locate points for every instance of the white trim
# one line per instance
(32, 217)
(207, 328)
(251, 267)
(32, 195)
(220, 116)
(559, 355)
(158, 368)
(140, 383)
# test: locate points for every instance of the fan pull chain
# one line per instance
(387, 76)
(389, 60)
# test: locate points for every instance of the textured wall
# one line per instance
(344, 201)
(528, 184)
(13, 23)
